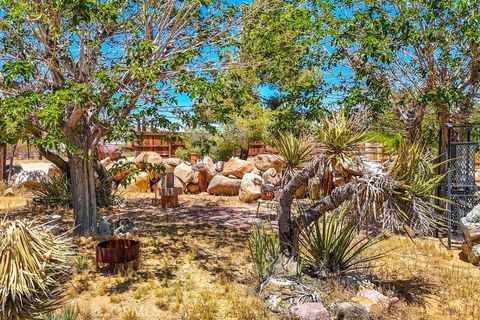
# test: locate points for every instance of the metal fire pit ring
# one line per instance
(117, 251)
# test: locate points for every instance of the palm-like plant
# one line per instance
(295, 151)
(404, 195)
(340, 135)
(33, 269)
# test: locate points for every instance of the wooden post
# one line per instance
(2, 161)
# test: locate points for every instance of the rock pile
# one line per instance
(471, 232)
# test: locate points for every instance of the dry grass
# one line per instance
(194, 268)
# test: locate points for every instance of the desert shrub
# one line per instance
(182, 153)
(264, 249)
(332, 246)
(34, 268)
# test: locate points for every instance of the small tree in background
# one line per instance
(75, 72)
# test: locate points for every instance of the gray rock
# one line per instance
(104, 227)
(16, 169)
(219, 166)
(351, 311)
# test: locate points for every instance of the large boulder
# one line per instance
(53, 171)
(147, 157)
(16, 169)
(237, 167)
(266, 161)
(193, 188)
(210, 167)
(120, 169)
(250, 187)
(141, 183)
(309, 311)
(221, 185)
(184, 172)
(173, 161)
(271, 176)
(30, 179)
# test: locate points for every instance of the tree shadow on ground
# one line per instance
(413, 291)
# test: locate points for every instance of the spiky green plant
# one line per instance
(57, 191)
(67, 313)
(33, 269)
(340, 136)
(404, 196)
(295, 151)
(332, 246)
(264, 249)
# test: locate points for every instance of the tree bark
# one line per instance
(83, 191)
(289, 228)
(10, 169)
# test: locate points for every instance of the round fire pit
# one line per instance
(117, 251)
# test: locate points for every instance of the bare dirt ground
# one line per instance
(196, 265)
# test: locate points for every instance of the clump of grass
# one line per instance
(203, 308)
(264, 249)
(80, 263)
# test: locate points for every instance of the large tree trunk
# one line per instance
(83, 191)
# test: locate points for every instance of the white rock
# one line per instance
(250, 188)
(184, 172)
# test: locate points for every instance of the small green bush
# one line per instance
(182, 153)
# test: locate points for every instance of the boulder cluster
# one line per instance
(235, 177)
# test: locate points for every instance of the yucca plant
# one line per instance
(33, 269)
(341, 135)
(295, 151)
(67, 313)
(55, 190)
(331, 245)
(405, 194)
(264, 249)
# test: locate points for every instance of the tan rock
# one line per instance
(184, 172)
(210, 166)
(53, 171)
(372, 299)
(266, 161)
(250, 187)
(193, 188)
(120, 169)
(141, 183)
(237, 167)
(148, 157)
(271, 176)
(221, 185)
(8, 192)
